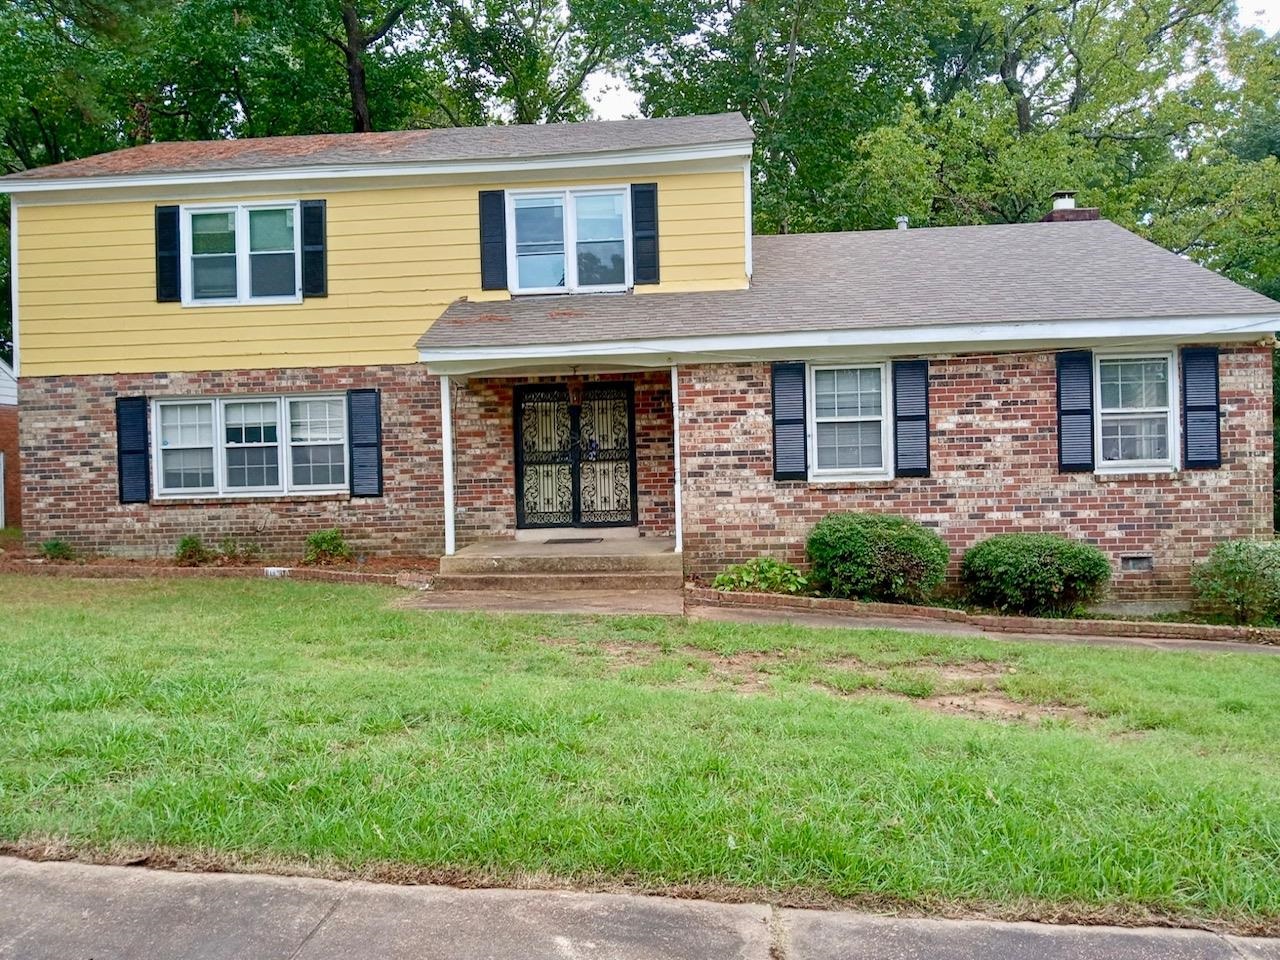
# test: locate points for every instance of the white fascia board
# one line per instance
(13, 282)
(730, 150)
(868, 342)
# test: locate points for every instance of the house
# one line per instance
(431, 338)
(10, 500)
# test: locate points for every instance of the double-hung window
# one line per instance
(251, 445)
(1135, 404)
(241, 253)
(569, 241)
(849, 431)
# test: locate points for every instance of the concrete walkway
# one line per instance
(72, 911)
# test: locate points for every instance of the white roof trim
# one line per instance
(868, 341)
(614, 158)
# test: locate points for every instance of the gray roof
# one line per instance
(456, 144)
(1087, 270)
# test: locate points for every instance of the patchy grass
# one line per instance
(10, 538)
(317, 725)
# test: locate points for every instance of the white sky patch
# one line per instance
(1261, 13)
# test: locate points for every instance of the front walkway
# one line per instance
(70, 910)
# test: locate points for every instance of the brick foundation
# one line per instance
(10, 491)
(994, 470)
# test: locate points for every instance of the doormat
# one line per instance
(575, 540)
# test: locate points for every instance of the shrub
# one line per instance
(57, 550)
(1241, 580)
(232, 551)
(869, 556)
(327, 546)
(1039, 574)
(763, 575)
(192, 552)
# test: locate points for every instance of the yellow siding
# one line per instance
(397, 257)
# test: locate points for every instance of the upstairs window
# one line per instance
(1136, 427)
(569, 241)
(241, 253)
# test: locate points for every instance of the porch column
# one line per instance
(675, 439)
(446, 442)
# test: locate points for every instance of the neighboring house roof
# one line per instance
(1003, 275)
(8, 385)
(444, 145)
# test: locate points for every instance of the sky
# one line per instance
(611, 99)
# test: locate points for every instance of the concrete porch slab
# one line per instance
(605, 547)
(668, 603)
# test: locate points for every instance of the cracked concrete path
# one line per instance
(75, 911)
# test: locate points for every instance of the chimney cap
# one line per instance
(1064, 199)
(902, 221)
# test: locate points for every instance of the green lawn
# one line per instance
(277, 722)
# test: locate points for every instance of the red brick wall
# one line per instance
(68, 435)
(994, 469)
(12, 482)
(484, 451)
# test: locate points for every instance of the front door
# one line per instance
(575, 462)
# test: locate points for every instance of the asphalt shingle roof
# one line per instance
(514, 142)
(1008, 273)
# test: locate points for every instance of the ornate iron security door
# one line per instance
(575, 464)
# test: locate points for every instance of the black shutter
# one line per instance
(911, 418)
(315, 260)
(790, 451)
(1075, 411)
(493, 240)
(644, 232)
(1201, 442)
(168, 256)
(364, 426)
(132, 458)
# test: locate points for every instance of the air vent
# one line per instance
(1143, 563)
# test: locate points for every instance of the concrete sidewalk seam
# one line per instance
(338, 901)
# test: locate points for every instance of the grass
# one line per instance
(314, 725)
(10, 538)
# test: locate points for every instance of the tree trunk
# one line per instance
(354, 52)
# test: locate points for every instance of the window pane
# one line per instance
(272, 275)
(1133, 384)
(320, 466)
(316, 421)
(847, 393)
(252, 467)
(213, 278)
(186, 425)
(539, 225)
(1135, 438)
(213, 233)
(186, 469)
(602, 263)
(251, 421)
(601, 250)
(270, 230)
(849, 446)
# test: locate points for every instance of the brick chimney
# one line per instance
(1065, 209)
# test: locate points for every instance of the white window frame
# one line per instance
(243, 289)
(284, 450)
(1169, 463)
(568, 197)
(884, 472)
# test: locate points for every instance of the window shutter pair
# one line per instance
(910, 420)
(315, 264)
(644, 236)
(1201, 439)
(364, 446)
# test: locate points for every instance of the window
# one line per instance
(1135, 404)
(246, 253)
(849, 433)
(251, 445)
(569, 241)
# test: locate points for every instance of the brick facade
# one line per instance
(994, 469)
(68, 433)
(10, 493)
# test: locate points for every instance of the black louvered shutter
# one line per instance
(1075, 411)
(911, 418)
(790, 453)
(644, 232)
(364, 425)
(168, 256)
(132, 455)
(493, 240)
(1201, 440)
(315, 259)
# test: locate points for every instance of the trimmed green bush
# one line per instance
(1241, 581)
(57, 550)
(327, 546)
(1038, 574)
(871, 556)
(192, 552)
(762, 575)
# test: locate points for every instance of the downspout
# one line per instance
(675, 437)
(446, 443)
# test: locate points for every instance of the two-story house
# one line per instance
(427, 338)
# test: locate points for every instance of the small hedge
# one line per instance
(325, 547)
(1037, 574)
(870, 556)
(1241, 581)
(762, 575)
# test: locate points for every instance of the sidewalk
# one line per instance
(72, 911)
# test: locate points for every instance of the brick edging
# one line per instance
(125, 571)
(1151, 630)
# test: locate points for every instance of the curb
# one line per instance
(703, 596)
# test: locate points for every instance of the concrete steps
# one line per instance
(540, 567)
(557, 582)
